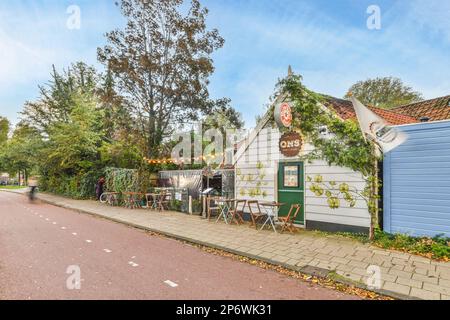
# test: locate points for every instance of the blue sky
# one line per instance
(325, 41)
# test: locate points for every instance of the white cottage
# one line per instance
(263, 173)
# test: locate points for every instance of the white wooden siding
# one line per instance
(265, 150)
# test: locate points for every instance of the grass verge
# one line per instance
(12, 187)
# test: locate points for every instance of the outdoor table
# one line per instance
(225, 206)
(155, 199)
(271, 209)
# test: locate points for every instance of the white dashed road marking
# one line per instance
(54, 223)
(171, 283)
(133, 264)
(74, 233)
(107, 250)
(64, 228)
(89, 241)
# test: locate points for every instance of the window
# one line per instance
(291, 177)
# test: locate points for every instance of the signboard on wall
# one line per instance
(291, 144)
(283, 115)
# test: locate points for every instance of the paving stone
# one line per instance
(444, 282)
(344, 268)
(399, 273)
(421, 271)
(358, 264)
(267, 255)
(410, 282)
(388, 277)
(353, 277)
(323, 257)
(422, 265)
(359, 271)
(377, 259)
(340, 260)
(425, 279)
(424, 260)
(280, 258)
(395, 287)
(424, 294)
(292, 262)
(409, 269)
(401, 262)
(400, 255)
(436, 288)
(398, 267)
(327, 266)
(381, 252)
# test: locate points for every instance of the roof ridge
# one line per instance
(422, 101)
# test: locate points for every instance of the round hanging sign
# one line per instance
(291, 144)
(283, 115)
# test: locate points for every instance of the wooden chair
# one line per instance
(212, 206)
(164, 200)
(288, 221)
(255, 212)
(237, 212)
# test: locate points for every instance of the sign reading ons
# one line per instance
(291, 144)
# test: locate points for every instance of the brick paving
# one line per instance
(402, 274)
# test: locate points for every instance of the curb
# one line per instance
(301, 270)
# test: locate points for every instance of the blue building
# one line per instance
(417, 182)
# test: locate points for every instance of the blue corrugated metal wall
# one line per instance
(417, 182)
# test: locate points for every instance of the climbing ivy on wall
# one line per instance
(344, 147)
(253, 183)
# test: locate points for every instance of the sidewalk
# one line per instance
(402, 275)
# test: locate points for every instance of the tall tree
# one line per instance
(4, 130)
(56, 98)
(21, 152)
(162, 63)
(224, 118)
(384, 93)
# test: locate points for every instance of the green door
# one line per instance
(291, 188)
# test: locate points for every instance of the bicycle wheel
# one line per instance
(104, 198)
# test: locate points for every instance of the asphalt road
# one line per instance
(40, 244)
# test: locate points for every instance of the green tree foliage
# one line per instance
(70, 162)
(384, 93)
(56, 98)
(162, 62)
(224, 118)
(4, 130)
(85, 128)
(21, 152)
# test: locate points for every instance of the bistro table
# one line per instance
(152, 200)
(225, 206)
(271, 209)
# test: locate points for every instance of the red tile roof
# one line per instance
(344, 108)
(434, 109)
